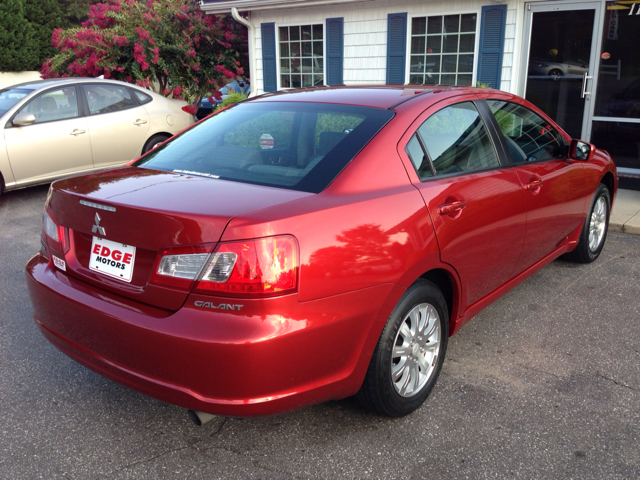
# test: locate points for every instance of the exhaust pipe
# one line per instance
(200, 418)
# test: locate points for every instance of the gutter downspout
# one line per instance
(252, 54)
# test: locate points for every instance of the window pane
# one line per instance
(465, 63)
(142, 97)
(284, 81)
(529, 137)
(448, 79)
(467, 42)
(433, 63)
(434, 25)
(284, 49)
(451, 23)
(284, 34)
(449, 63)
(317, 32)
(54, 105)
(295, 33)
(451, 44)
(419, 79)
(317, 49)
(10, 96)
(107, 98)
(295, 49)
(418, 26)
(318, 80)
(307, 50)
(417, 45)
(417, 63)
(434, 44)
(418, 158)
(464, 80)
(620, 139)
(306, 32)
(457, 140)
(296, 81)
(468, 23)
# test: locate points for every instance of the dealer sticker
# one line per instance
(58, 262)
(112, 258)
(266, 141)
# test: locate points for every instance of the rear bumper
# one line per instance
(265, 357)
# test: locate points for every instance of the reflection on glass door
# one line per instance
(560, 62)
(616, 123)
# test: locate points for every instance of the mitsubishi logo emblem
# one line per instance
(97, 228)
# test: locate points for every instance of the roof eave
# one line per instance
(225, 6)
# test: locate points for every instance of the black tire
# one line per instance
(556, 73)
(379, 392)
(154, 141)
(588, 248)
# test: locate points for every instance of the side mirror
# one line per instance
(580, 150)
(23, 119)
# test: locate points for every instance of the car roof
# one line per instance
(376, 96)
(52, 82)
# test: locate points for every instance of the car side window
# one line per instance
(418, 157)
(52, 105)
(457, 140)
(142, 97)
(529, 137)
(107, 98)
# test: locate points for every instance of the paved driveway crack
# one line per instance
(598, 374)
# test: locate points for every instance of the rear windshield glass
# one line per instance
(300, 146)
(10, 96)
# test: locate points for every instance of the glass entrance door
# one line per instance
(561, 62)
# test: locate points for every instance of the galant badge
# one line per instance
(97, 228)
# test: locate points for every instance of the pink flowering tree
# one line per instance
(168, 46)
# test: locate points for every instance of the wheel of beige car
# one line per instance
(408, 358)
(153, 142)
(594, 231)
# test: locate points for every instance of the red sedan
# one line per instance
(312, 245)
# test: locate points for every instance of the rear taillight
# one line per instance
(260, 267)
(56, 235)
(178, 267)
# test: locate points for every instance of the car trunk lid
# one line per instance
(149, 210)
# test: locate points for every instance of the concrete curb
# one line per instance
(625, 216)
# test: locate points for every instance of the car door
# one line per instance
(554, 185)
(118, 124)
(57, 143)
(475, 201)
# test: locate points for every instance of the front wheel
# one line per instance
(594, 232)
(408, 358)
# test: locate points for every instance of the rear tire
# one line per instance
(594, 231)
(153, 142)
(410, 352)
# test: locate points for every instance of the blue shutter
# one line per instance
(492, 27)
(335, 50)
(269, 71)
(396, 47)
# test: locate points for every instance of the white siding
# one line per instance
(365, 32)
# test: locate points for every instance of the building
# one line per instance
(576, 60)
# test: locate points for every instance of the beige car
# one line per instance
(54, 128)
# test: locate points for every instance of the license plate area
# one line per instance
(112, 259)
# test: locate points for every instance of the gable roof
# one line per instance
(225, 6)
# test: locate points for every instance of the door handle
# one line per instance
(585, 77)
(448, 208)
(77, 132)
(533, 185)
(140, 122)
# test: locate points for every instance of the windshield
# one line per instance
(10, 96)
(300, 146)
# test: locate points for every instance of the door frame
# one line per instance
(598, 7)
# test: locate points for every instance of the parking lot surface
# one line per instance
(544, 383)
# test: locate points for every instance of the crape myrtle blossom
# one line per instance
(168, 46)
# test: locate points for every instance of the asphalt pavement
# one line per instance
(544, 383)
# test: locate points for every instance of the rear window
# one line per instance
(300, 146)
